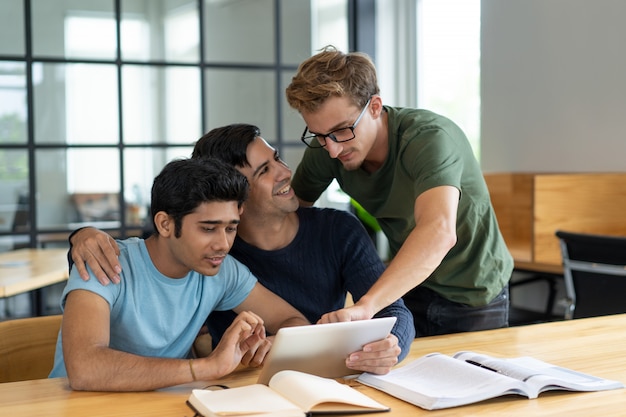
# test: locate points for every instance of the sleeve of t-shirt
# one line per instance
(238, 283)
(313, 175)
(433, 160)
(75, 282)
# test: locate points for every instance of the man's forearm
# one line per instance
(415, 262)
(295, 321)
(111, 370)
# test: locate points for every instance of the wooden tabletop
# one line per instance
(24, 270)
(596, 346)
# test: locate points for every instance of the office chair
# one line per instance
(594, 269)
(27, 347)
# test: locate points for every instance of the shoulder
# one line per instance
(404, 117)
(131, 246)
(134, 255)
(333, 226)
(231, 285)
(236, 272)
(413, 127)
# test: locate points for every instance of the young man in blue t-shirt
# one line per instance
(137, 335)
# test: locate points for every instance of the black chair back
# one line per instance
(594, 268)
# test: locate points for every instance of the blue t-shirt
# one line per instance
(153, 315)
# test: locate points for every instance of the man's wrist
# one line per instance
(367, 303)
(75, 232)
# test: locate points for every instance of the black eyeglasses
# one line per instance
(344, 134)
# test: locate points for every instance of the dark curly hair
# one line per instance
(184, 184)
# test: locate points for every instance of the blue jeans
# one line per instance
(434, 315)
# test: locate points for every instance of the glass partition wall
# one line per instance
(97, 95)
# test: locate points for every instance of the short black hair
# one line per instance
(228, 143)
(184, 184)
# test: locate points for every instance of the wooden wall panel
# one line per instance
(531, 207)
(586, 203)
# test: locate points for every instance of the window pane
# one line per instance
(74, 29)
(14, 210)
(71, 108)
(239, 31)
(293, 125)
(161, 105)
(11, 27)
(81, 186)
(330, 24)
(292, 156)
(449, 62)
(141, 166)
(13, 113)
(295, 25)
(240, 96)
(160, 30)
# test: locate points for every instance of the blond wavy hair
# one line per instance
(332, 73)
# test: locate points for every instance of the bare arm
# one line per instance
(99, 251)
(276, 313)
(92, 365)
(432, 238)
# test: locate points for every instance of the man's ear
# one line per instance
(376, 106)
(164, 224)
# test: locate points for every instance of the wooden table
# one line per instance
(596, 346)
(25, 270)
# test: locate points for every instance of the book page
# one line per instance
(314, 393)
(502, 366)
(439, 381)
(540, 376)
(248, 400)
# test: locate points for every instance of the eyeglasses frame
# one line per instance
(330, 135)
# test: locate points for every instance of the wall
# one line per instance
(553, 85)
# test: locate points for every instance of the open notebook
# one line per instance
(321, 349)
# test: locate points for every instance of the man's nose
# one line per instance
(221, 241)
(283, 172)
(333, 148)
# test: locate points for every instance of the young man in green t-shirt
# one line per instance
(415, 172)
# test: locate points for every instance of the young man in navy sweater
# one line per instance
(310, 257)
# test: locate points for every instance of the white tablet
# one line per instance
(322, 349)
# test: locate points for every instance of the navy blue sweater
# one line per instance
(330, 256)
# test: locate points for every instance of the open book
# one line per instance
(439, 381)
(290, 393)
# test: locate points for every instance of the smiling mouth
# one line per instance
(285, 190)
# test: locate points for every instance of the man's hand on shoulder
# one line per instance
(97, 249)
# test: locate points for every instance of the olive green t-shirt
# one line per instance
(426, 150)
